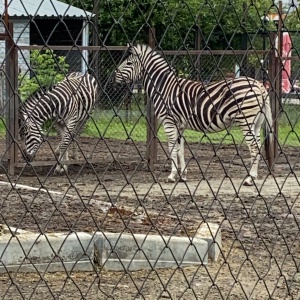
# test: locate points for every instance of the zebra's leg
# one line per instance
(172, 135)
(67, 138)
(59, 131)
(75, 150)
(252, 137)
(63, 156)
(78, 130)
(183, 169)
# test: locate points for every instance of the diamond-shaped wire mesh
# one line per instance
(112, 226)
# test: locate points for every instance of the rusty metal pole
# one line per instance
(11, 66)
(152, 121)
(276, 105)
(198, 47)
(95, 37)
(269, 147)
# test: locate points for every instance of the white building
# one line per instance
(45, 22)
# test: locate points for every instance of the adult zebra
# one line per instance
(68, 104)
(180, 103)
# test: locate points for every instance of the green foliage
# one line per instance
(137, 131)
(109, 125)
(47, 69)
(292, 20)
(221, 21)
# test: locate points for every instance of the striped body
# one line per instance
(180, 103)
(68, 104)
(210, 108)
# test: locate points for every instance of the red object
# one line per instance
(286, 71)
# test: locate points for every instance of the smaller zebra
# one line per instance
(68, 105)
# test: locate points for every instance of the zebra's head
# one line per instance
(30, 135)
(131, 69)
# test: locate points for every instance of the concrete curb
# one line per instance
(118, 251)
(23, 251)
(211, 233)
(31, 250)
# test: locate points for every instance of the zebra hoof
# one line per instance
(170, 179)
(248, 181)
(64, 170)
(75, 157)
(182, 179)
(59, 170)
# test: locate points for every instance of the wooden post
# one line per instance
(11, 68)
(95, 37)
(96, 54)
(198, 47)
(244, 42)
(276, 105)
(152, 122)
(270, 147)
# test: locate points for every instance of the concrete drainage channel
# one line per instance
(24, 251)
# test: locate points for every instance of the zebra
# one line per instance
(68, 104)
(180, 103)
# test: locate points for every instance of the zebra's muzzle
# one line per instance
(28, 157)
(118, 77)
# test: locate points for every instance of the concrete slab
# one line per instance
(119, 251)
(13, 230)
(27, 252)
(31, 249)
(83, 266)
(211, 233)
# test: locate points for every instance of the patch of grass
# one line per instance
(2, 127)
(289, 135)
(115, 127)
(107, 124)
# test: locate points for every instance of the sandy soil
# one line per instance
(260, 224)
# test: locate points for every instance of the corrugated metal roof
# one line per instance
(43, 9)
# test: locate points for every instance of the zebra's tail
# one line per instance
(269, 133)
(269, 119)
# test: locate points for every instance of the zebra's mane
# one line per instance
(46, 91)
(34, 98)
(147, 52)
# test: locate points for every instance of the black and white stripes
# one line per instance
(180, 103)
(68, 105)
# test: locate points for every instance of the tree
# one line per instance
(48, 69)
(222, 22)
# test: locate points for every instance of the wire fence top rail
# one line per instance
(124, 48)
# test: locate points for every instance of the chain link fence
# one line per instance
(112, 227)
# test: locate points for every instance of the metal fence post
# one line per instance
(11, 66)
(270, 147)
(198, 47)
(276, 103)
(152, 121)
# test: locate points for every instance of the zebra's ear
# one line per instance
(131, 49)
(134, 50)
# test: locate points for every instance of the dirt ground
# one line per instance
(260, 224)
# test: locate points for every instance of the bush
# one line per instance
(46, 69)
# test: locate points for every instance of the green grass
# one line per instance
(106, 124)
(2, 127)
(137, 131)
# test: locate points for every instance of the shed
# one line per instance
(48, 22)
